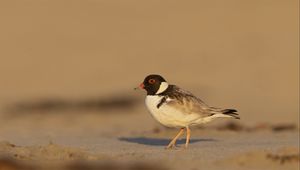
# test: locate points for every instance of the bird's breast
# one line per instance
(165, 114)
(152, 102)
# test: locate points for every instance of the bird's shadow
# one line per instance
(160, 141)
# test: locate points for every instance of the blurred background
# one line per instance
(68, 67)
(235, 54)
(231, 54)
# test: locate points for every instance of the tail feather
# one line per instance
(231, 112)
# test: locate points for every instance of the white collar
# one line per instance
(163, 86)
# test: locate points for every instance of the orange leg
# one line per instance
(173, 142)
(188, 136)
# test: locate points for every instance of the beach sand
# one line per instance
(130, 138)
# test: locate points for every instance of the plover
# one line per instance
(178, 108)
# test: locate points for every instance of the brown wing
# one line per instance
(187, 103)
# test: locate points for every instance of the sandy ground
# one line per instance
(130, 138)
(68, 68)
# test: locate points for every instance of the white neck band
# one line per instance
(163, 86)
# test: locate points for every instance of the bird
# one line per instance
(175, 107)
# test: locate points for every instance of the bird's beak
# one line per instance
(141, 86)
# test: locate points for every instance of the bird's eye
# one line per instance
(151, 81)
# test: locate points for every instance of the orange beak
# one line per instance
(141, 86)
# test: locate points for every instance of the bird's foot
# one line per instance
(175, 147)
(171, 146)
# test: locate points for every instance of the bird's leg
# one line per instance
(173, 142)
(188, 135)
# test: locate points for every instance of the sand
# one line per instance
(68, 69)
(123, 140)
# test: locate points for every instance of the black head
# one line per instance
(152, 83)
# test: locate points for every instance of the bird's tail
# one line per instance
(231, 112)
(224, 112)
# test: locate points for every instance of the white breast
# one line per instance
(168, 115)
